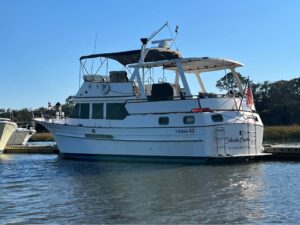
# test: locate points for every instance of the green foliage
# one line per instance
(227, 83)
(70, 100)
(25, 116)
(68, 106)
(21, 116)
(278, 103)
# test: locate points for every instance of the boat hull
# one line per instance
(6, 130)
(20, 136)
(191, 143)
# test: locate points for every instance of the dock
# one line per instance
(31, 149)
(276, 151)
(283, 150)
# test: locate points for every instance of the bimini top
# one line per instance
(131, 57)
(204, 64)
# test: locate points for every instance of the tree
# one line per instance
(227, 83)
(68, 106)
(70, 100)
(278, 103)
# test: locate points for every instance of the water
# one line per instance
(46, 189)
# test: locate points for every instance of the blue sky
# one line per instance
(41, 41)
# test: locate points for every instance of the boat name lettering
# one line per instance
(185, 131)
(237, 139)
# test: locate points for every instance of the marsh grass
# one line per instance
(41, 137)
(282, 134)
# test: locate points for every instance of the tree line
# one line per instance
(25, 116)
(278, 103)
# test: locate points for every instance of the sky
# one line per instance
(41, 41)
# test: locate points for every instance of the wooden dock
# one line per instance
(31, 149)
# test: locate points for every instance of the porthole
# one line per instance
(163, 120)
(189, 120)
(217, 118)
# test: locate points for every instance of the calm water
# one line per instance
(46, 189)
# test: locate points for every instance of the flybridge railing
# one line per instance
(99, 69)
(84, 71)
(190, 97)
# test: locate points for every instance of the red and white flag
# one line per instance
(249, 96)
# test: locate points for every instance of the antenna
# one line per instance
(95, 45)
(156, 32)
(146, 40)
(174, 38)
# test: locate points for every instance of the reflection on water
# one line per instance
(46, 189)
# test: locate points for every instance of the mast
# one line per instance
(144, 52)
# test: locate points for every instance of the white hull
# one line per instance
(223, 140)
(20, 136)
(6, 130)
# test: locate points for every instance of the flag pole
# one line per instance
(244, 93)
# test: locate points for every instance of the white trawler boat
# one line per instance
(7, 128)
(130, 118)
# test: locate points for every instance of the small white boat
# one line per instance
(21, 136)
(7, 128)
(148, 116)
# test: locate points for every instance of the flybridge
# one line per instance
(140, 64)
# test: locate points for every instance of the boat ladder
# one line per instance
(220, 141)
(252, 138)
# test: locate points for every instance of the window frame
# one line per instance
(110, 115)
(87, 116)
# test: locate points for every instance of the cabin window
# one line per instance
(75, 111)
(97, 110)
(163, 120)
(217, 118)
(84, 111)
(189, 120)
(116, 111)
